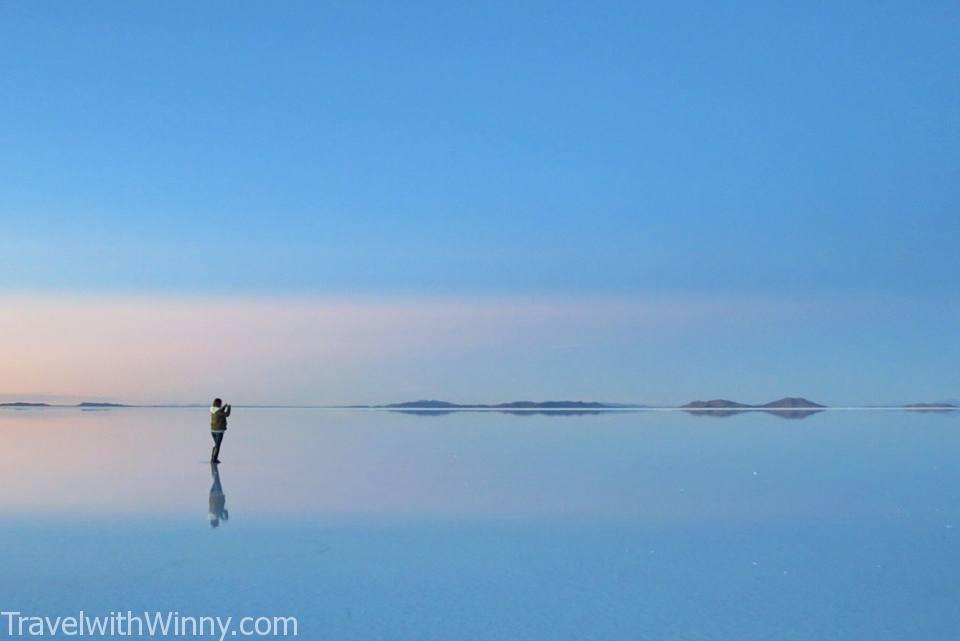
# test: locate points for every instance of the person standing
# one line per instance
(218, 426)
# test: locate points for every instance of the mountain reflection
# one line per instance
(789, 414)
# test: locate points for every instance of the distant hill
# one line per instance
(85, 404)
(715, 404)
(930, 407)
(424, 405)
(789, 402)
(90, 404)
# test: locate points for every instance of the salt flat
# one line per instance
(384, 525)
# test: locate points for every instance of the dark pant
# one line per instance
(217, 439)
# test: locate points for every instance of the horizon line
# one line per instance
(934, 407)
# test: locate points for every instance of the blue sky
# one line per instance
(533, 150)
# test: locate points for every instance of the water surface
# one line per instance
(480, 525)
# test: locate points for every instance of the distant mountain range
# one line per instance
(788, 407)
(514, 405)
(84, 404)
(788, 403)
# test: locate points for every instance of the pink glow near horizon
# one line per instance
(311, 350)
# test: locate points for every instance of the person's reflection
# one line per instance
(218, 502)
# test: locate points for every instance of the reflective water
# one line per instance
(377, 525)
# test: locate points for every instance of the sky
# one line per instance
(326, 202)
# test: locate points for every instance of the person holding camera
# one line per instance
(218, 426)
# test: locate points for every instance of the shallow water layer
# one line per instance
(384, 525)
